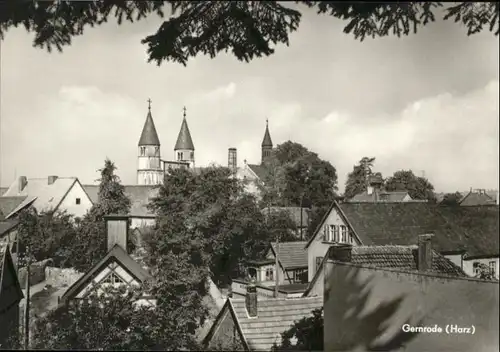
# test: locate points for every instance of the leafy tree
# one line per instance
(281, 225)
(452, 199)
(50, 234)
(91, 244)
(211, 212)
(297, 177)
(356, 179)
(112, 321)
(246, 28)
(417, 187)
(305, 335)
(485, 273)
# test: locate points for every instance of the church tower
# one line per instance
(267, 144)
(149, 168)
(184, 147)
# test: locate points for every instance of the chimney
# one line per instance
(22, 182)
(232, 161)
(340, 253)
(117, 231)
(51, 179)
(251, 300)
(425, 252)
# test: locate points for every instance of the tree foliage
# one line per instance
(281, 226)
(356, 179)
(248, 29)
(417, 187)
(484, 272)
(305, 335)
(451, 199)
(50, 236)
(297, 177)
(111, 321)
(90, 245)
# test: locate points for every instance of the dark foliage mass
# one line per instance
(247, 29)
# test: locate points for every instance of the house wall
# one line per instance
(282, 279)
(318, 248)
(69, 201)
(455, 259)
(245, 174)
(367, 308)
(468, 265)
(226, 336)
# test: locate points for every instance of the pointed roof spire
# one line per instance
(149, 135)
(267, 142)
(184, 140)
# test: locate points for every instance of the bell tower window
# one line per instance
(192, 155)
(157, 151)
(179, 155)
(143, 151)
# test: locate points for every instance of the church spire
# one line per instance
(184, 141)
(267, 142)
(149, 135)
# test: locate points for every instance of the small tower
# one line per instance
(149, 168)
(267, 144)
(184, 147)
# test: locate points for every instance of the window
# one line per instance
(343, 230)
(252, 272)
(143, 151)
(318, 263)
(493, 267)
(269, 274)
(325, 233)
(299, 276)
(157, 151)
(78, 201)
(192, 155)
(351, 239)
(476, 268)
(334, 233)
(112, 279)
(179, 155)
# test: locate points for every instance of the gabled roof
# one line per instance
(117, 254)
(393, 257)
(47, 196)
(477, 198)
(184, 140)
(291, 254)
(10, 290)
(149, 135)
(275, 316)
(8, 204)
(266, 141)
(139, 195)
(474, 229)
(258, 170)
(294, 213)
(396, 196)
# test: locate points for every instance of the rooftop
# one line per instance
(291, 254)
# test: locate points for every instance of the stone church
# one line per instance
(151, 167)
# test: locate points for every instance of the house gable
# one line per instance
(75, 201)
(224, 328)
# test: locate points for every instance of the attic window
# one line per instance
(113, 279)
(78, 201)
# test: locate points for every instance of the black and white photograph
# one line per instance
(249, 176)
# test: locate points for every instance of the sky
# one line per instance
(428, 102)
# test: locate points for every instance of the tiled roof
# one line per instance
(294, 213)
(474, 229)
(149, 135)
(139, 196)
(476, 198)
(403, 258)
(117, 253)
(275, 316)
(47, 196)
(7, 225)
(184, 140)
(259, 170)
(291, 254)
(383, 197)
(8, 204)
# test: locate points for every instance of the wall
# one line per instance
(367, 308)
(57, 277)
(244, 173)
(226, 336)
(69, 201)
(468, 265)
(318, 248)
(455, 259)
(37, 273)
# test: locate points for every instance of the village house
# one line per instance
(292, 272)
(470, 229)
(375, 192)
(479, 197)
(10, 296)
(420, 257)
(256, 322)
(376, 308)
(52, 194)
